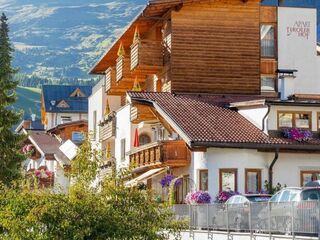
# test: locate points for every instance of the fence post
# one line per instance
(292, 219)
(227, 213)
(190, 223)
(250, 220)
(269, 218)
(318, 219)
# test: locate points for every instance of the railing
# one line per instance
(107, 128)
(109, 78)
(170, 153)
(146, 55)
(292, 218)
(133, 113)
(119, 68)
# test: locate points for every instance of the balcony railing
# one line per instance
(122, 68)
(146, 55)
(108, 127)
(163, 153)
(110, 80)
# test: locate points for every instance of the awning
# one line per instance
(145, 176)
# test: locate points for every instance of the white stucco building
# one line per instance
(216, 142)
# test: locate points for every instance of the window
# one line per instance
(228, 179)
(253, 180)
(203, 180)
(77, 137)
(267, 41)
(294, 119)
(318, 121)
(268, 83)
(144, 139)
(308, 176)
(123, 149)
(65, 119)
(182, 190)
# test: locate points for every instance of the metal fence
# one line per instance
(293, 218)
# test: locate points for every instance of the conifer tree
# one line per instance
(10, 143)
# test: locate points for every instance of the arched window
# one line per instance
(144, 139)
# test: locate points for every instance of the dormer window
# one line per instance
(63, 104)
(294, 119)
(77, 93)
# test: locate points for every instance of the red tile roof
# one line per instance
(204, 119)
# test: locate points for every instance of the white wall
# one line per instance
(124, 131)
(255, 116)
(61, 181)
(241, 159)
(297, 51)
(54, 119)
(286, 170)
(97, 104)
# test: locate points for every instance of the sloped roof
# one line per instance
(47, 144)
(204, 119)
(58, 93)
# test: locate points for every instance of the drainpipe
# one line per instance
(264, 118)
(276, 155)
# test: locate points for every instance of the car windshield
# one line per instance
(311, 194)
(258, 198)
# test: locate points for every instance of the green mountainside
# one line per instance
(28, 100)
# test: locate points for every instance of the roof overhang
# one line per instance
(149, 15)
(145, 176)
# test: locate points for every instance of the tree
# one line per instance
(109, 211)
(10, 143)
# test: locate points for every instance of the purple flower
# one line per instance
(297, 134)
(198, 197)
(225, 195)
(167, 179)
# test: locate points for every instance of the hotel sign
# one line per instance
(300, 29)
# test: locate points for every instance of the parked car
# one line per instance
(238, 207)
(293, 210)
(246, 198)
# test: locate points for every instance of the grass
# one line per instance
(28, 100)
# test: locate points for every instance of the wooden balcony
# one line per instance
(146, 56)
(107, 128)
(157, 154)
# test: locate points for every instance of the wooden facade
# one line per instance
(196, 47)
(64, 131)
(216, 48)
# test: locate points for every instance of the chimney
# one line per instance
(286, 77)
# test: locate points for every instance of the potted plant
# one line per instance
(223, 196)
(295, 134)
(199, 198)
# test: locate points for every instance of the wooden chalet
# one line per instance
(192, 46)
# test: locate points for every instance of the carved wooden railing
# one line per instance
(168, 153)
(107, 128)
(109, 78)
